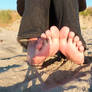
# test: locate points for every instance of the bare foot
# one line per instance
(52, 36)
(38, 50)
(47, 45)
(71, 46)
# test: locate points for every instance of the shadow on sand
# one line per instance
(12, 57)
(4, 69)
(52, 84)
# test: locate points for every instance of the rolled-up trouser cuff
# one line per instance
(30, 34)
(24, 38)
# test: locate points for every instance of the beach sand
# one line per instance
(56, 76)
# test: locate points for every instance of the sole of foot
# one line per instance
(46, 46)
(71, 46)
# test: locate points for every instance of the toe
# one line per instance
(81, 49)
(64, 33)
(43, 35)
(48, 34)
(48, 37)
(76, 39)
(71, 36)
(79, 43)
(54, 32)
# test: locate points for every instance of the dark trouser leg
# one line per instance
(67, 14)
(35, 20)
(56, 13)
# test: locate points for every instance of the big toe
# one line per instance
(54, 32)
(64, 33)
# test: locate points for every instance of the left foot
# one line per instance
(71, 46)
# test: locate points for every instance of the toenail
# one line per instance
(77, 38)
(66, 28)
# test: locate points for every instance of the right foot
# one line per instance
(52, 36)
(47, 45)
(71, 46)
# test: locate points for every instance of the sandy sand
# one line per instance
(60, 76)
